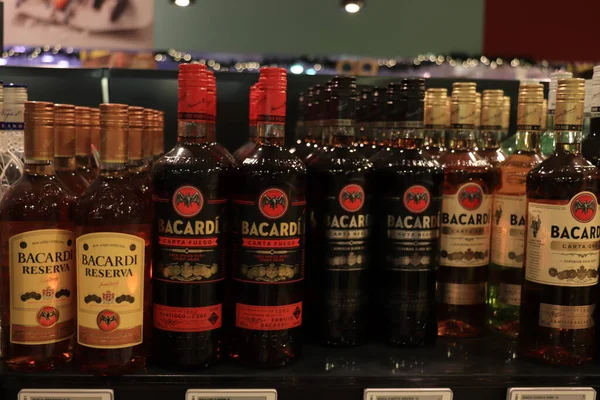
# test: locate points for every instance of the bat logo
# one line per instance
(470, 196)
(187, 201)
(108, 320)
(498, 215)
(583, 207)
(47, 316)
(535, 226)
(273, 203)
(352, 197)
(416, 199)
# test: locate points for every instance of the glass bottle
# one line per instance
(437, 121)
(268, 239)
(547, 141)
(509, 215)
(65, 164)
(137, 164)
(114, 255)
(95, 140)
(338, 206)
(83, 143)
(247, 147)
(491, 130)
(561, 258)
(11, 140)
(591, 144)
(465, 225)
(36, 226)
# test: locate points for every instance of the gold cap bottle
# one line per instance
(492, 109)
(148, 135)
(569, 105)
(530, 108)
(437, 113)
(83, 139)
(64, 130)
(135, 135)
(463, 106)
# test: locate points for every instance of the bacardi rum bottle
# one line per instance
(562, 253)
(408, 198)
(491, 133)
(83, 141)
(112, 224)
(338, 206)
(305, 143)
(11, 135)
(268, 237)
(547, 140)
(509, 214)
(64, 149)
(137, 165)
(465, 225)
(190, 201)
(211, 110)
(95, 139)
(437, 121)
(366, 143)
(37, 279)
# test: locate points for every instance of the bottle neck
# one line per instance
(83, 161)
(527, 141)
(568, 142)
(550, 121)
(339, 133)
(461, 139)
(490, 139)
(435, 137)
(190, 131)
(137, 165)
(39, 167)
(64, 163)
(269, 133)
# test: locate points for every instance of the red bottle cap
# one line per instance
(211, 99)
(271, 101)
(192, 93)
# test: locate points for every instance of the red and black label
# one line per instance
(269, 248)
(413, 224)
(345, 222)
(189, 242)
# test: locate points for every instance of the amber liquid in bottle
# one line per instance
(118, 214)
(465, 233)
(509, 215)
(268, 238)
(560, 287)
(338, 205)
(37, 202)
(64, 149)
(83, 142)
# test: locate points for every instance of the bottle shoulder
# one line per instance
(338, 160)
(464, 159)
(36, 197)
(270, 159)
(200, 158)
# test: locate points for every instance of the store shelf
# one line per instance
(473, 369)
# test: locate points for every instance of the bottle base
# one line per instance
(458, 329)
(30, 364)
(113, 369)
(509, 330)
(554, 356)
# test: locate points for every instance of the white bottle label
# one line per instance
(563, 242)
(465, 240)
(508, 230)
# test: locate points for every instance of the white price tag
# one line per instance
(231, 394)
(66, 394)
(550, 393)
(408, 394)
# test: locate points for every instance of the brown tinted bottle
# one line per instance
(64, 149)
(113, 260)
(190, 202)
(465, 223)
(37, 279)
(559, 294)
(83, 141)
(338, 234)
(95, 140)
(268, 238)
(408, 198)
(137, 165)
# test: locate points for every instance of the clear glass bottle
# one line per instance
(509, 215)
(559, 294)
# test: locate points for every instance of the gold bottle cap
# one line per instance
(83, 121)
(463, 109)
(437, 113)
(569, 104)
(492, 109)
(148, 138)
(83, 116)
(39, 130)
(113, 133)
(136, 127)
(95, 116)
(158, 132)
(530, 109)
(64, 130)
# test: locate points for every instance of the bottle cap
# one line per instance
(530, 107)
(83, 116)
(555, 76)
(64, 130)
(273, 78)
(272, 96)
(82, 135)
(492, 109)
(569, 104)
(571, 89)
(39, 130)
(135, 134)
(135, 116)
(15, 94)
(113, 133)
(95, 116)
(64, 114)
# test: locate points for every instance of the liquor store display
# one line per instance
(404, 241)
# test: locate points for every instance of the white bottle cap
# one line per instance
(15, 94)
